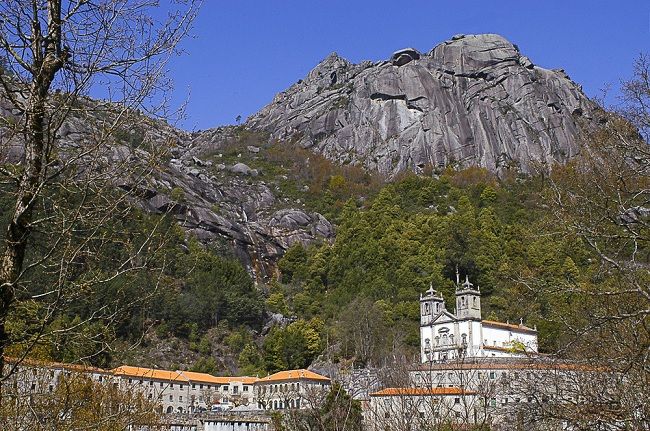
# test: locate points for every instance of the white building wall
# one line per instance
(507, 338)
(233, 425)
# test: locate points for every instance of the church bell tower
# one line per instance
(468, 300)
(431, 304)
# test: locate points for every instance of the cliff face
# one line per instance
(473, 100)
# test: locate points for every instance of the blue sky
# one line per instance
(243, 52)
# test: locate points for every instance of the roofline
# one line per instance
(292, 379)
(57, 365)
(414, 391)
(511, 327)
(524, 364)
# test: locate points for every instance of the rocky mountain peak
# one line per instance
(474, 100)
(469, 54)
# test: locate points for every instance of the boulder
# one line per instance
(241, 169)
(403, 56)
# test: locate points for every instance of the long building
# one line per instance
(180, 392)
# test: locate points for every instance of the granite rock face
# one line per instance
(474, 100)
(227, 206)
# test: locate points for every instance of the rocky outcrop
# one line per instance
(231, 208)
(473, 100)
(225, 205)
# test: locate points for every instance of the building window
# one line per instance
(130, 381)
(200, 386)
(245, 388)
(180, 398)
(171, 398)
(193, 386)
(456, 400)
(171, 385)
(492, 375)
(181, 386)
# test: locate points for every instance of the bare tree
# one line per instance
(53, 397)
(71, 165)
(602, 199)
(320, 409)
(433, 396)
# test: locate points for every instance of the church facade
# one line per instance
(464, 334)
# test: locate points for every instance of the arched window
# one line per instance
(170, 409)
(426, 308)
(445, 340)
(437, 340)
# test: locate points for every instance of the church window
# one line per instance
(426, 308)
(475, 301)
(445, 340)
(437, 340)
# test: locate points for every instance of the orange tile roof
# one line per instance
(293, 375)
(390, 392)
(515, 328)
(209, 378)
(149, 373)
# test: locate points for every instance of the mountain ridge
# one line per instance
(473, 100)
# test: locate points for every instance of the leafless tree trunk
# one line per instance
(66, 188)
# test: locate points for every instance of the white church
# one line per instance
(446, 336)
